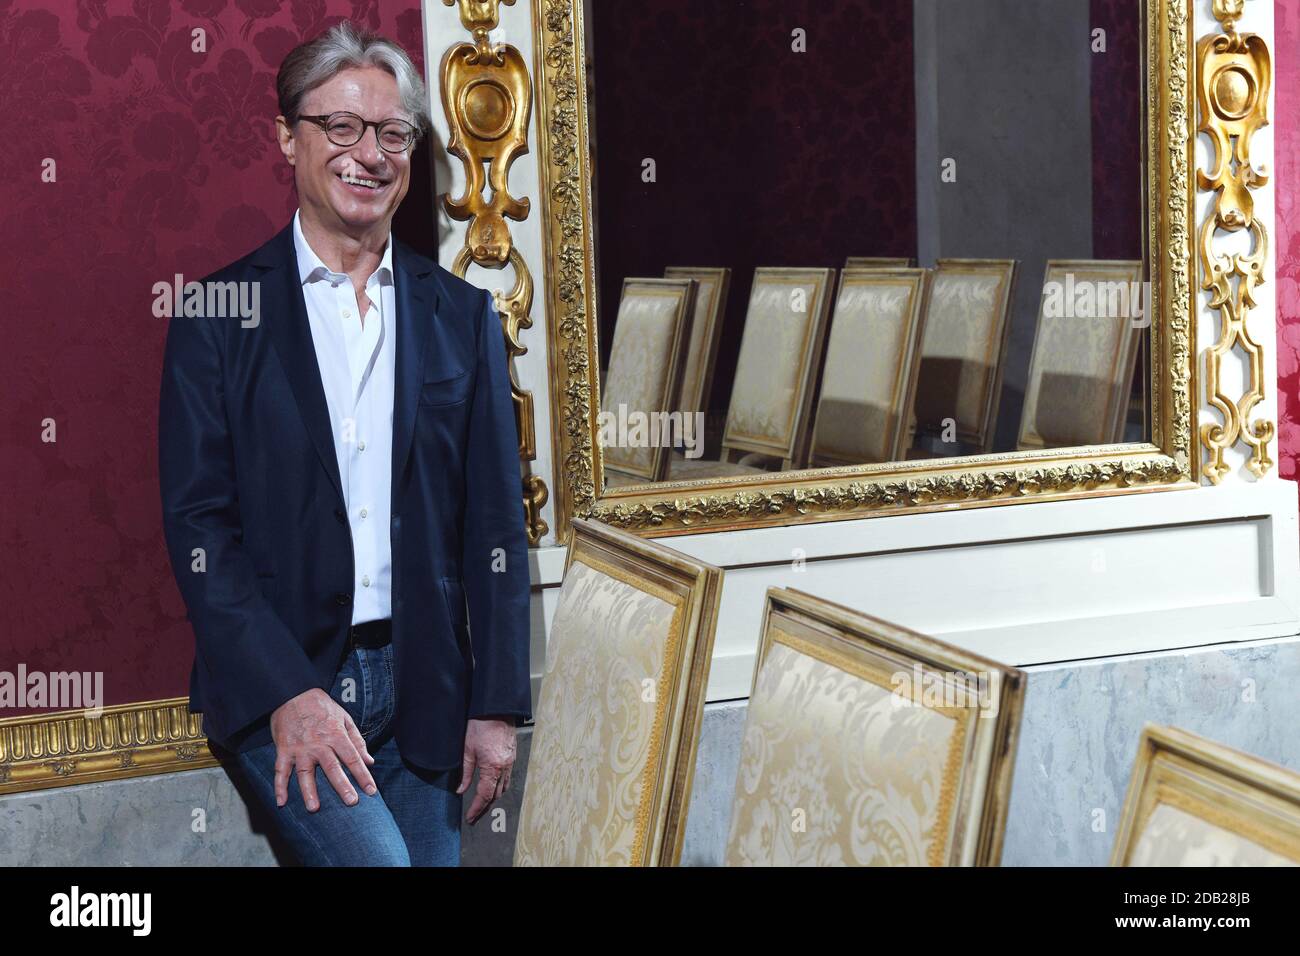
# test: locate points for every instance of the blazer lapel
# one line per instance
(285, 311)
(417, 310)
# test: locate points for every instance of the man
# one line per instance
(339, 479)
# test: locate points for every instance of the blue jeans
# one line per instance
(414, 820)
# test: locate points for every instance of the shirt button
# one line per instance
(364, 512)
(361, 446)
(347, 314)
(365, 580)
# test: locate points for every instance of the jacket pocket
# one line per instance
(447, 391)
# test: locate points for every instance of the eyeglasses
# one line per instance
(346, 129)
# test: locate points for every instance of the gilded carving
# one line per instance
(487, 99)
(1234, 75)
(71, 747)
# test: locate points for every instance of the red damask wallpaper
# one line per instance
(159, 160)
(1286, 132)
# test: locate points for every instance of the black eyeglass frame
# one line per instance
(323, 121)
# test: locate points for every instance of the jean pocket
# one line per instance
(349, 688)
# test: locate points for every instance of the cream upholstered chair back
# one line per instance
(870, 745)
(619, 711)
(869, 375)
(712, 287)
(966, 326)
(780, 350)
(1085, 354)
(1192, 802)
(646, 361)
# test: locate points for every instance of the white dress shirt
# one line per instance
(357, 369)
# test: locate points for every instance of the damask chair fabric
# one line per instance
(966, 326)
(869, 375)
(870, 745)
(1085, 352)
(1192, 802)
(619, 711)
(771, 398)
(646, 361)
(711, 289)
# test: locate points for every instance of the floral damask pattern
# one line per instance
(834, 773)
(872, 334)
(136, 157)
(1174, 837)
(1287, 242)
(1081, 370)
(963, 329)
(773, 359)
(596, 725)
(638, 370)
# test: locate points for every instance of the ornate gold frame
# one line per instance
(1168, 461)
(876, 651)
(1252, 798)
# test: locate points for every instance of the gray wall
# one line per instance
(1004, 88)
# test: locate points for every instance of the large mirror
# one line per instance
(896, 237)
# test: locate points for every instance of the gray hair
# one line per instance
(343, 47)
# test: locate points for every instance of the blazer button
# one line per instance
(341, 515)
(342, 599)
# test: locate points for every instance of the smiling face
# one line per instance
(353, 189)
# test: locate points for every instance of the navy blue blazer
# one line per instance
(249, 475)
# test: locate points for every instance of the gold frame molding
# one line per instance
(1234, 74)
(40, 751)
(875, 651)
(1166, 462)
(1252, 798)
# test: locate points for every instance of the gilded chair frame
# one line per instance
(977, 430)
(906, 363)
(978, 775)
(1169, 460)
(792, 445)
(683, 290)
(1125, 359)
(1251, 798)
(694, 590)
(705, 335)
(879, 262)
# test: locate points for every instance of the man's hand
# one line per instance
(313, 729)
(489, 746)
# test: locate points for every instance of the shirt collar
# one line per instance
(310, 265)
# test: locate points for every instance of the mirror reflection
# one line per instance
(864, 232)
